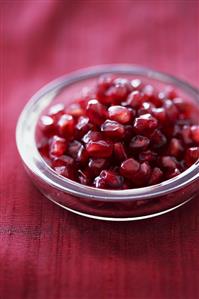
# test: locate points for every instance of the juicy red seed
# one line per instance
(84, 177)
(173, 173)
(158, 139)
(150, 94)
(186, 135)
(156, 176)
(121, 114)
(66, 125)
(145, 108)
(99, 182)
(43, 148)
(116, 93)
(82, 155)
(129, 167)
(136, 84)
(168, 162)
(112, 129)
(139, 143)
(96, 112)
(148, 156)
(96, 165)
(73, 148)
(142, 176)
(176, 148)
(183, 106)
(82, 126)
(57, 146)
(171, 110)
(47, 125)
(75, 110)
(66, 171)
(195, 133)
(145, 123)
(56, 111)
(135, 99)
(99, 149)
(111, 179)
(170, 92)
(92, 136)
(62, 161)
(104, 82)
(159, 114)
(119, 151)
(191, 155)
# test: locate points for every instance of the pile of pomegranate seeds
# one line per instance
(125, 135)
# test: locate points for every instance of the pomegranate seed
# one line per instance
(121, 114)
(171, 110)
(169, 162)
(75, 110)
(145, 108)
(116, 93)
(150, 95)
(99, 182)
(92, 136)
(66, 125)
(73, 148)
(66, 171)
(112, 129)
(56, 111)
(82, 126)
(139, 143)
(129, 167)
(96, 112)
(96, 165)
(159, 114)
(170, 92)
(111, 179)
(158, 139)
(82, 155)
(142, 176)
(135, 99)
(148, 156)
(84, 177)
(176, 148)
(43, 148)
(195, 133)
(156, 176)
(104, 82)
(119, 151)
(136, 84)
(191, 155)
(145, 123)
(186, 135)
(173, 173)
(47, 125)
(62, 161)
(57, 146)
(99, 149)
(183, 106)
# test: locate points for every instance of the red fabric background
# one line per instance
(46, 252)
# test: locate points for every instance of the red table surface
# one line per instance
(46, 252)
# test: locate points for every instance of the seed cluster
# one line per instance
(122, 134)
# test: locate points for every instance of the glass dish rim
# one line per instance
(47, 174)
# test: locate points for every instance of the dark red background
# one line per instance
(47, 252)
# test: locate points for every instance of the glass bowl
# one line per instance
(131, 204)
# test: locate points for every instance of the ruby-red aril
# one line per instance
(66, 125)
(96, 112)
(121, 114)
(145, 123)
(58, 146)
(113, 129)
(99, 149)
(120, 133)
